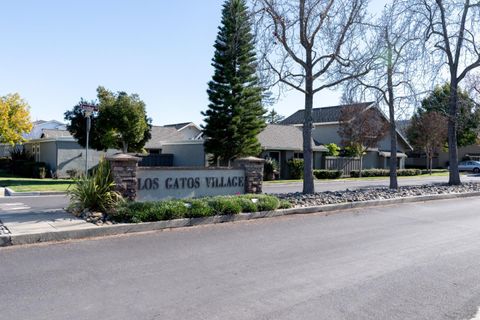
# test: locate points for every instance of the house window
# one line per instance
(298, 155)
(274, 155)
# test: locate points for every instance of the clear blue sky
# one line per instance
(53, 52)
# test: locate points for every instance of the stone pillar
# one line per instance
(253, 173)
(124, 171)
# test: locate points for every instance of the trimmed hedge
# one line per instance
(327, 174)
(194, 208)
(385, 173)
(425, 171)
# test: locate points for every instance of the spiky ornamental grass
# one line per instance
(95, 192)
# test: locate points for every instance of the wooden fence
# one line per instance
(343, 164)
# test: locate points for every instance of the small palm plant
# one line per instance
(95, 192)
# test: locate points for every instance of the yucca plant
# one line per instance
(95, 192)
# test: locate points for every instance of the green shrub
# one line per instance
(409, 172)
(194, 208)
(171, 209)
(333, 150)
(295, 168)
(224, 205)
(268, 203)
(426, 171)
(95, 192)
(385, 172)
(40, 170)
(269, 169)
(246, 204)
(5, 164)
(136, 212)
(74, 173)
(198, 208)
(327, 174)
(285, 204)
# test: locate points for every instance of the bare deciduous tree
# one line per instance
(428, 132)
(452, 28)
(309, 45)
(361, 129)
(394, 50)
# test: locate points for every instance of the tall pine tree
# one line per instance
(234, 116)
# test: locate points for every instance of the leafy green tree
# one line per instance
(273, 117)
(234, 116)
(428, 132)
(468, 119)
(14, 119)
(77, 126)
(333, 150)
(121, 122)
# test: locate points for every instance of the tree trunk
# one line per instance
(125, 147)
(308, 184)
(427, 165)
(454, 178)
(393, 125)
(431, 164)
(361, 167)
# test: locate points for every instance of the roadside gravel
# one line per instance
(300, 200)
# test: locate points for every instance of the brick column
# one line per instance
(253, 173)
(124, 171)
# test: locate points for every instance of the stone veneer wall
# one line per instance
(124, 171)
(253, 173)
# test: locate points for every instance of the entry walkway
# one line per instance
(19, 218)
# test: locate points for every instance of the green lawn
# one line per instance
(437, 174)
(29, 185)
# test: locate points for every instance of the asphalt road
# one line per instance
(337, 185)
(415, 261)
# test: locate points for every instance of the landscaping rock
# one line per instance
(3, 229)
(300, 200)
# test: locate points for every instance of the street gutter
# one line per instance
(119, 229)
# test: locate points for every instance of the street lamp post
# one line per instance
(88, 110)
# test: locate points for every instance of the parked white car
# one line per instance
(473, 166)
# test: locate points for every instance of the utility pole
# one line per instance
(88, 110)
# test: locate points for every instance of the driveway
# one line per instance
(415, 261)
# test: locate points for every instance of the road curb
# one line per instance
(10, 193)
(118, 229)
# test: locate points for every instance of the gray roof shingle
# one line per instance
(177, 126)
(284, 137)
(161, 135)
(55, 133)
(322, 115)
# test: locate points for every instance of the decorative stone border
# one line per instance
(118, 229)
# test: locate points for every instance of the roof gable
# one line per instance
(323, 115)
(283, 137)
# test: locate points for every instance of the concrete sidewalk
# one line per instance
(19, 222)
